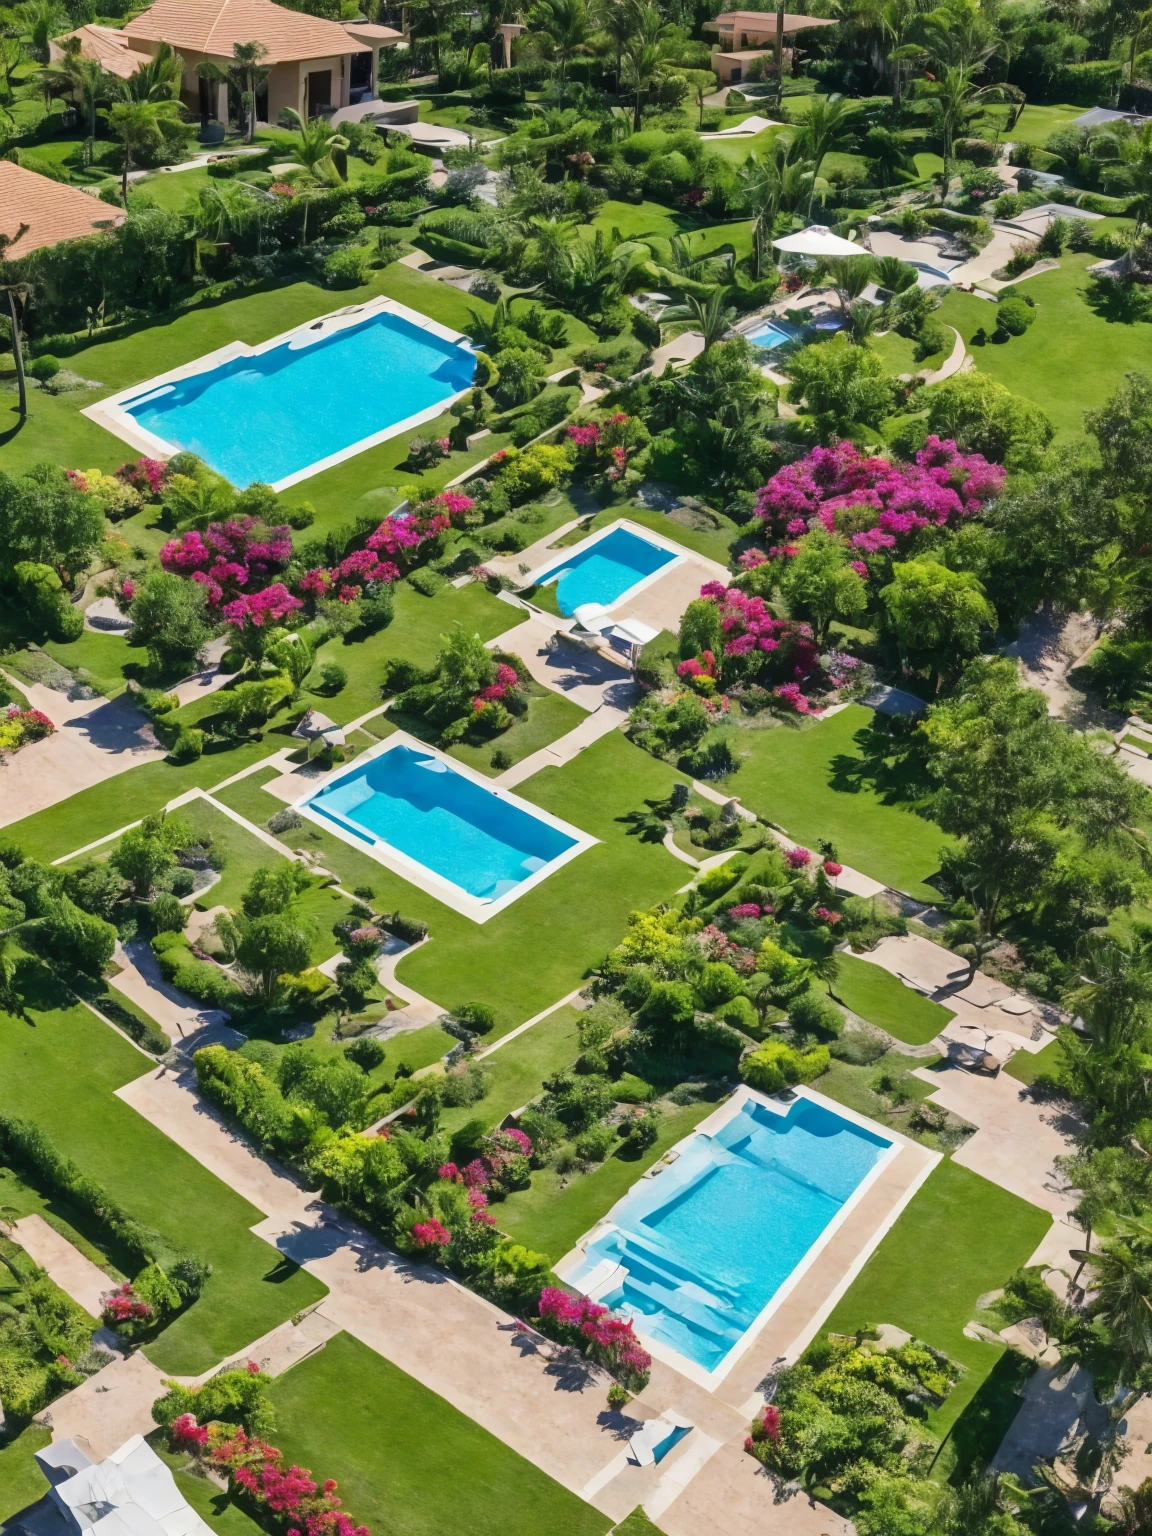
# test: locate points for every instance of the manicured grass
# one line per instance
(416, 634)
(820, 781)
(407, 1462)
(558, 1209)
(852, 1086)
(541, 946)
(1071, 359)
(21, 1480)
(899, 354)
(984, 1234)
(516, 1071)
(637, 1524)
(550, 716)
(62, 1072)
(1035, 124)
(103, 657)
(1026, 1066)
(18, 1200)
(878, 996)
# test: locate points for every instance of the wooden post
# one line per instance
(780, 54)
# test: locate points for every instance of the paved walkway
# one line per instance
(76, 1276)
(140, 980)
(109, 1407)
(94, 740)
(583, 676)
(952, 363)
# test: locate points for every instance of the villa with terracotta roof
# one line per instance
(51, 210)
(314, 63)
(748, 35)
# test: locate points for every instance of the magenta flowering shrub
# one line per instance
(765, 1435)
(870, 501)
(797, 858)
(122, 1305)
(148, 476)
(591, 1328)
(756, 641)
(714, 944)
(229, 559)
(401, 536)
(254, 610)
(505, 682)
(832, 869)
(744, 909)
(826, 915)
(431, 1236)
(501, 1167)
(258, 1476)
(185, 1434)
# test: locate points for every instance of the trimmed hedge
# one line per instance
(445, 249)
(29, 1150)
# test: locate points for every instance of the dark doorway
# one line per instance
(361, 76)
(319, 91)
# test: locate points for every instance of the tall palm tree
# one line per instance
(568, 24)
(958, 100)
(1141, 32)
(1122, 1282)
(772, 183)
(84, 80)
(823, 130)
(432, 18)
(620, 19)
(317, 142)
(1114, 997)
(41, 20)
(643, 57)
(136, 124)
(16, 291)
(157, 80)
(247, 72)
(713, 317)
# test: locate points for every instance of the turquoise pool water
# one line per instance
(770, 336)
(415, 803)
(605, 571)
(708, 1243)
(268, 417)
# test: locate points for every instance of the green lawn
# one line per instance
(103, 657)
(822, 781)
(62, 1072)
(878, 996)
(1026, 1066)
(1071, 359)
(18, 1199)
(21, 1480)
(1036, 123)
(415, 634)
(407, 1462)
(899, 354)
(516, 1070)
(558, 1209)
(550, 716)
(541, 946)
(984, 1232)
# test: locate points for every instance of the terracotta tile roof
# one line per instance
(763, 21)
(105, 44)
(52, 210)
(213, 26)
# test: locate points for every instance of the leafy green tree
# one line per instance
(821, 585)
(275, 889)
(96, 887)
(1122, 1285)
(294, 656)
(43, 604)
(136, 125)
(937, 616)
(772, 182)
(270, 948)
(76, 938)
(46, 519)
(170, 617)
(843, 387)
(568, 25)
(143, 859)
(984, 417)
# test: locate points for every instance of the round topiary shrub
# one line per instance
(44, 367)
(1014, 316)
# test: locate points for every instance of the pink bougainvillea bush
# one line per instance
(231, 559)
(400, 538)
(255, 610)
(122, 1305)
(280, 1494)
(757, 646)
(591, 1328)
(148, 476)
(20, 726)
(870, 501)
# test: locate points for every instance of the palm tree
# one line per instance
(713, 317)
(1114, 997)
(314, 151)
(620, 19)
(1141, 30)
(893, 274)
(642, 58)
(975, 1508)
(958, 99)
(42, 20)
(136, 124)
(432, 18)
(84, 80)
(772, 183)
(15, 290)
(849, 276)
(569, 26)
(862, 319)
(1122, 1282)
(157, 80)
(823, 130)
(247, 72)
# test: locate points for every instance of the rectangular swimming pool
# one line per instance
(698, 1255)
(448, 830)
(605, 569)
(283, 411)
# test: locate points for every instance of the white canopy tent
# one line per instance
(818, 240)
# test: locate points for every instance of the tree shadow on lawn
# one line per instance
(893, 769)
(1118, 303)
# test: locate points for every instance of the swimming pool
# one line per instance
(448, 830)
(701, 1254)
(770, 336)
(282, 411)
(605, 569)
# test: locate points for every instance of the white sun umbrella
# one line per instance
(818, 240)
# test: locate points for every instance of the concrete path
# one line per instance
(680, 350)
(1055, 1411)
(952, 364)
(140, 980)
(64, 1264)
(734, 1496)
(94, 740)
(109, 1407)
(1017, 1140)
(585, 677)
(602, 723)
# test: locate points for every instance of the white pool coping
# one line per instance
(419, 875)
(779, 1105)
(111, 413)
(555, 566)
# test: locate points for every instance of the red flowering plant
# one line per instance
(148, 476)
(607, 445)
(591, 1328)
(20, 726)
(260, 1478)
(122, 1307)
(765, 1434)
(505, 685)
(230, 559)
(400, 537)
(758, 648)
